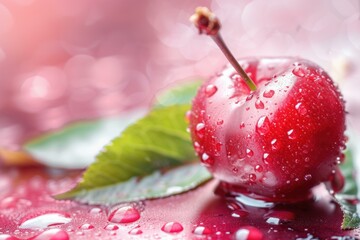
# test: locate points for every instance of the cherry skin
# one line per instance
(276, 142)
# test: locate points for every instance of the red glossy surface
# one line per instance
(278, 141)
(25, 193)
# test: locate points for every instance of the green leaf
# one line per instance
(77, 145)
(157, 142)
(180, 94)
(155, 185)
(351, 218)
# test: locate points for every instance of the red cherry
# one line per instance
(277, 141)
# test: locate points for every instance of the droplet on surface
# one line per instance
(172, 227)
(200, 130)
(111, 227)
(95, 210)
(259, 168)
(249, 152)
(307, 177)
(45, 220)
(248, 233)
(206, 159)
(299, 71)
(259, 104)
(291, 134)
(238, 213)
(242, 125)
(220, 122)
(201, 230)
(266, 158)
(269, 93)
(52, 234)
(126, 214)
(279, 217)
(86, 226)
(252, 177)
(263, 125)
(275, 145)
(210, 90)
(135, 231)
(300, 108)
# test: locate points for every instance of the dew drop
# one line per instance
(126, 214)
(275, 145)
(298, 71)
(259, 168)
(220, 122)
(301, 109)
(172, 227)
(206, 159)
(248, 233)
(111, 227)
(307, 177)
(54, 233)
(252, 177)
(269, 93)
(263, 125)
(45, 220)
(259, 104)
(200, 130)
(238, 213)
(266, 158)
(249, 152)
(135, 231)
(291, 134)
(210, 90)
(86, 226)
(242, 125)
(95, 210)
(197, 147)
(201, 230)
(279, 217)
(235, 170)
(249, 97)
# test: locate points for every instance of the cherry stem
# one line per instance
(207, 22)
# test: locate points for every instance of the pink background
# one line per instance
(65, 60)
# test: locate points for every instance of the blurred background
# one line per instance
(65, 60)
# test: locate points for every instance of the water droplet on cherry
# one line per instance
(259, 168)
(206, 159)
(239, 213)
(252, 177)
(125, 214)
(269, 93)
(111, 227)
(275, 144)
(307, 177)
(263, 125)
(210, 90)
(249, 152)
(299, 71)
(200, 130)
(220, 122)
(291, 134)
(172, 227)
(86, 226)
(135, 231)
(242, 125)
(95, 210)
(300, 108)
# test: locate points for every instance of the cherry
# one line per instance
(273, 128)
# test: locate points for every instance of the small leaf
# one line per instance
(351, 218)
(155, 185)
(76, 145)
(159, 141)
(180, 94)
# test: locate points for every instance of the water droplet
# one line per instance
(259, 104)
(291, 134)
(247, 108)
(252, 177)
(259, 168)
(242, 125)
(299, 71)
(172, 227)
(197, 147)
(269, 93)
(307, 177)
(266, 158)
(201, 230)
(135, 231)
(263, 125)
(206, 159)
(248, 233)
(279, 217)
(126, 214)
(210, 90)
(200, 130)
(249, 152)
(45, 220)
(220, 122)
(238, 213)
(275, 144)
(235, 170)
(111, 227)
(86, 226)
(249, 97)
(54, 233)
(301, 109)
(95, 210)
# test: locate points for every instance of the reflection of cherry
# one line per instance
(274, 136)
